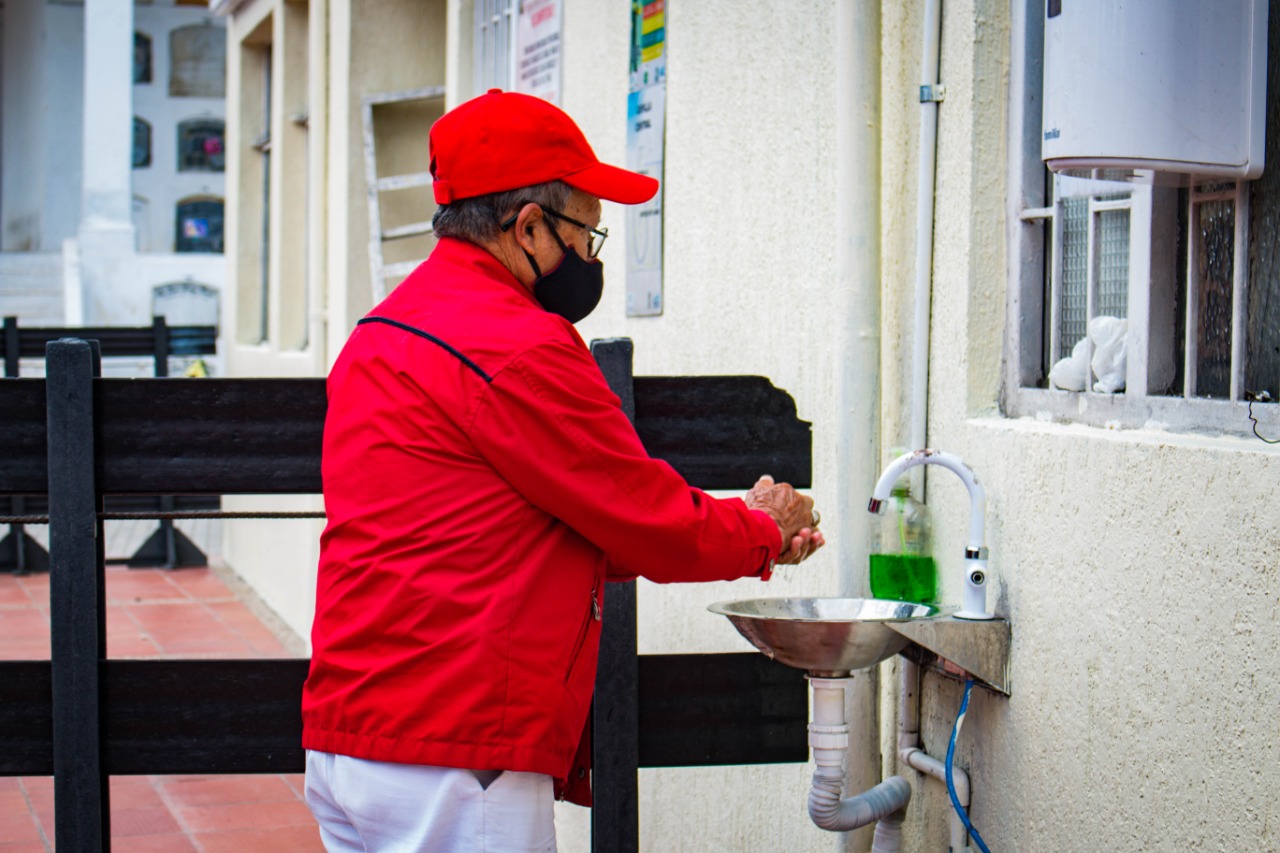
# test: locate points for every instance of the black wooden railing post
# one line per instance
(172, 551)
(11, 351)
(18, 536)
(76, 599)
(17, 533)
(615, 720)
(160, 330)
(169, 544)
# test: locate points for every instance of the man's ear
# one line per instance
(526, 235)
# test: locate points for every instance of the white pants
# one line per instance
(411, 808)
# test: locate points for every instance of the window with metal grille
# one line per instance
(200, 145)
(199, 225)
(198, 61)
(1188, 268)
(494, 45)
(1087, 275)
(141, 58)
(141, 143)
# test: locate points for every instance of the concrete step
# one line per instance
(31, 288)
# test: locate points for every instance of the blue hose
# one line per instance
(951, 784)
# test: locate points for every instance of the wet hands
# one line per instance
(793, 513)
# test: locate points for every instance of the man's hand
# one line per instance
(793, 513)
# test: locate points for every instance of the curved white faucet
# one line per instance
(974, 602)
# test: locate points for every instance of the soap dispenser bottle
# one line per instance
(902, 564)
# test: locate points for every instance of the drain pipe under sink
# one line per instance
(910, 753)
(829, 740)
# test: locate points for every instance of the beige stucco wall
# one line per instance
(1138, 568)
(325, 57)
(276, 557)
(749, 287)
(749, 274)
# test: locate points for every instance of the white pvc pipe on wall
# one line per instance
(926, 170)
(857, 257)
(857, 266)
(909, 751)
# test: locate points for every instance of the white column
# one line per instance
(106, 226)
(108, 110)
(22, 166)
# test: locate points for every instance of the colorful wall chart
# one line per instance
(646, 110)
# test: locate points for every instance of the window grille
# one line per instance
(1088, 232)
(494, 45)
(200, 146)
(141, 143)
(141, 58)
(198, 62)
(199, 225)
(1213, 353)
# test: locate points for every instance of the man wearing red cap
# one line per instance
(481, 484)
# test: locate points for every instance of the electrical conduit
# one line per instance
(925, 173)
(909, 751)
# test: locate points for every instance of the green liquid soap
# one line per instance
(904, 577)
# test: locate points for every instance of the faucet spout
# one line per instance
(977, 495)
(975, 560)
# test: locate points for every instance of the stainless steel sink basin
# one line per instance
(828, 637)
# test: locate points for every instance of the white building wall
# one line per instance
(41, 155)
(161, 184)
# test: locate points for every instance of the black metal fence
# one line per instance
(83, 717)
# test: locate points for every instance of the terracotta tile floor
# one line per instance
(186, 613)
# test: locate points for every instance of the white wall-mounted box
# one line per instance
(1167, 85)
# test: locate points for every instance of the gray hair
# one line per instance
(478, 219)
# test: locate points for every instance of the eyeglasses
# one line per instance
(595, 236)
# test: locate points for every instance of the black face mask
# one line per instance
(572, 289)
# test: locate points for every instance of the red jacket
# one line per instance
(481, 483)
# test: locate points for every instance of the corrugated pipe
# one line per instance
(888, 838)
(828, 811)
(829, 740)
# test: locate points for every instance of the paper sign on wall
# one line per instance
(646, 112)
(538, 49)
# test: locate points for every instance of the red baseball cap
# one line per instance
(504, 140)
